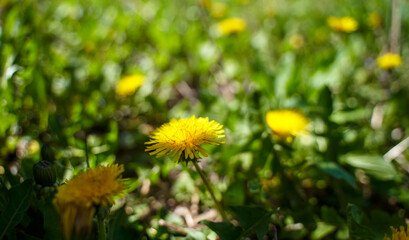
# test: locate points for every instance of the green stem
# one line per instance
(207, 184)
(101, 228)
(86, 149)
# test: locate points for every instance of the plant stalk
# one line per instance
(207, 184)
(101, 228)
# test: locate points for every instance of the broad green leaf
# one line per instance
(50, 219)
(330, 215)
(20, 199)
(253, 218)
(322, 230)
(4, 195)
(336, 171)
(351, 116)
(13, 180)
(373, 165)
(235, 194)
(357, 229)
(325, 101)
(225, 230)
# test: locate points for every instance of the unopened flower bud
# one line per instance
(47, 153)
(44, 173)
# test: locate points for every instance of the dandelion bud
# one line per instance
(47, 153)
(44, 173)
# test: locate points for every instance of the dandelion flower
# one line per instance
(343, 24)
(76, 201)
(231, 25)
(398, 234)
(185, 136)
(286, 123)
(128, 85)
(389, 60)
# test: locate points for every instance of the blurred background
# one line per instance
(61, 68)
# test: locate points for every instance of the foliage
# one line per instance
(345, 176)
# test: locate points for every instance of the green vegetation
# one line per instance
(343, 176)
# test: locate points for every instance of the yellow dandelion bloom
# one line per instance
(389, 60)
(286, 123)
(76, 200)
(374, 20)
(185, 136)
(129, 84)
(219, 10)
(33, 147)
(231, 25)
(343, 24)
(399, 234)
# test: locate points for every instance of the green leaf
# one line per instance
(330, 216)
(13, 180)
(20, 199)
(51, 220)
(357, 224)
(225, 230)
(253, 218)
(325, 101)
(373, 165)
(4, 195)
(322, 230)
(343, 117)
(337, 172)
(235, 194)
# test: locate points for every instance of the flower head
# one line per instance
(76, 200)
(129, 84)
(343, 24)
(286, 123)
(399, 234)
(231, 25)
(184, 136)
(389, 60)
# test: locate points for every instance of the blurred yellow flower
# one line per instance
(33, 146)
(267, 184)
(184, 135)
(399, 234)
(76, 201)
(343, 24)
(286, 123)
(231, 25)
(219, 10)
(129, 84)
(388, 61)
(374, 20)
